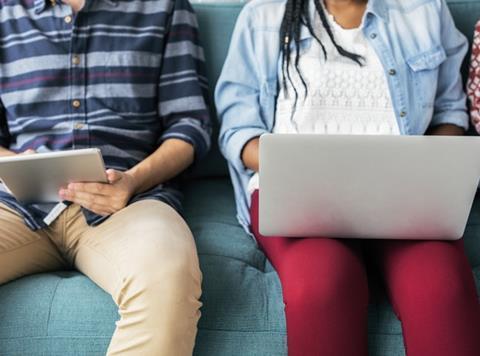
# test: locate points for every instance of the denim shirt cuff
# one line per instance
(458, 118)
(236, 144)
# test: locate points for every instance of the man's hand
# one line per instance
(171, 158)
(4, 152)
(102, 198)
(28, 152)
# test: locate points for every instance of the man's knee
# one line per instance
(162, 268)
(156, 219)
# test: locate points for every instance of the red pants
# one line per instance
(324, 282)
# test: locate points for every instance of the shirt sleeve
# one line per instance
(473, 84)
(183, 88)
(237, 95)
(4, 132)
(450, 102)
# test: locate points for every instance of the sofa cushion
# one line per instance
(64, 313)
(60, 313)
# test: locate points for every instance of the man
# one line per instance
(126, 77)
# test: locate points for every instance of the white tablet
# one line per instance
(37, 178)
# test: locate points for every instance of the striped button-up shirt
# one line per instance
(119, 75)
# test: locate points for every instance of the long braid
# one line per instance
(354, 57)
(297, 14)
(308, 24)
(297, 25)
(290, 31)
(285, 38)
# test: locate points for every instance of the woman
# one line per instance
(348, 66)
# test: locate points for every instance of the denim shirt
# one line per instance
(416, 41)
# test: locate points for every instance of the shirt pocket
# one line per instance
(424, 71)
(267, 100)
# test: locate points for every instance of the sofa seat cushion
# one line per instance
(61, 313)
(64, 313)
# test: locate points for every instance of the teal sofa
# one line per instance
(64, 313)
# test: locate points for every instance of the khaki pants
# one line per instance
(144, 256)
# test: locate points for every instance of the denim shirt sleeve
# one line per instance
(450, 102)
(237, 95)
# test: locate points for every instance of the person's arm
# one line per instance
(237, 96)
(450, 101)
(184, 115)
(182, 102)
(171, 158)
(6, 152)
(250, 156)
(446, 130)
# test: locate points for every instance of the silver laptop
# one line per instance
(382, 187)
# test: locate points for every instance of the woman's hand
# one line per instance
(102, 198)
(250, 154)
(446, 130)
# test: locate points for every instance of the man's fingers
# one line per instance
(28, 152)
(85, 198)
(92, 188)
(113, 176)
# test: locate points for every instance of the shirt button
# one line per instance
(79, 126)
(68, 19)
(392, 72)
(76, 60)
(403, 114)
(76, 104)
(373, 36)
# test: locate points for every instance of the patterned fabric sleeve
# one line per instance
(473, 85)
(183, 85)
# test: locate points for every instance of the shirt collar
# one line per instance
(377, 8)
(41, 5)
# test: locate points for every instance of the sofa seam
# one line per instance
(51, 306)
(202, 221)
(236, 259)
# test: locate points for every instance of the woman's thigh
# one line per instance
(321, 264)
(431, 287)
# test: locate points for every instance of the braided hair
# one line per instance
(297, 15)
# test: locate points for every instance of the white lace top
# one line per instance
(343, 98)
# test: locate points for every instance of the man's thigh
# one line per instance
(146, 236)
(23, 251)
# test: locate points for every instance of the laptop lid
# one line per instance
(356, 186)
